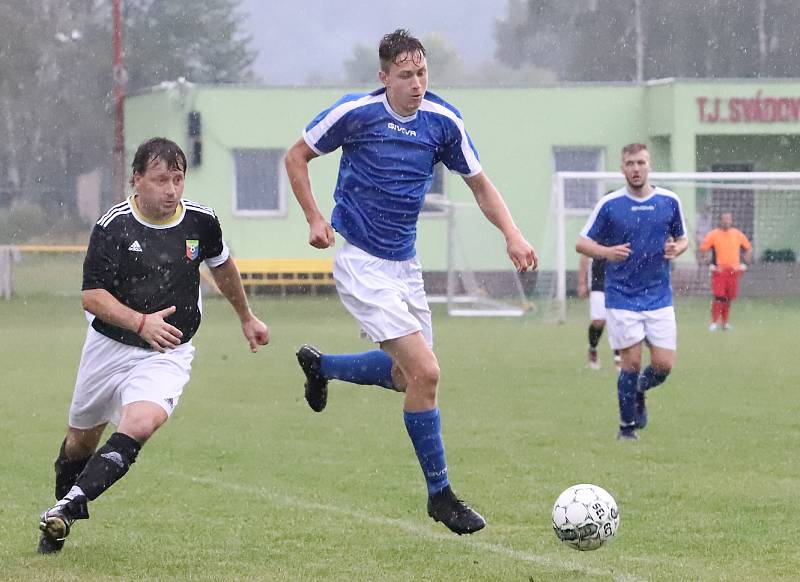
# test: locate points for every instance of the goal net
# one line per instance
(480, 279)
(765, 207)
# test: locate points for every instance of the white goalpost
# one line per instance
(480, 279)
(765, 206)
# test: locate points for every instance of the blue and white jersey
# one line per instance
(387, 166)
(642, 281)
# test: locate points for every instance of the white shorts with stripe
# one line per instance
(597, 305)
(387, 298)
(112, 374)
(627, 328)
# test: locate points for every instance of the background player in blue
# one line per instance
(391, 139)
(638, 229)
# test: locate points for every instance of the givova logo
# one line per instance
(403, 130)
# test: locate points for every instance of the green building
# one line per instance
(236, 136)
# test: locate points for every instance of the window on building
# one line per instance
(579, 193)
(260, 183)
(436, 194)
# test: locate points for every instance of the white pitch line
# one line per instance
(414, 528)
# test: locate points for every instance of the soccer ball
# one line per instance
(585, 517)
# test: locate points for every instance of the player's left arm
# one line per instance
(748, 252)
(494, 208)
(227, 278)
(677, 241)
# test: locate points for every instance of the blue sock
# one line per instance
(650, 379)
(425, 430)
(626, 392)
(369, 368)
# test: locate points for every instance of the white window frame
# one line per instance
(571, 204)
(283, 187)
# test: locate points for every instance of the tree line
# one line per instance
(56, 80)
(630, 40)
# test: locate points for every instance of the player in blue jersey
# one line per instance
(390, 140)
(638, 229)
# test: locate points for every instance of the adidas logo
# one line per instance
(135, 247)
(114, 456)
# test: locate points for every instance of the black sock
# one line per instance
(67, 471)
(594, 336)
(108, 465)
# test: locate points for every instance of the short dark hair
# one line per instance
(158, 148)
(397, 43)
(634, 148)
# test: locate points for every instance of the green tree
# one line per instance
(56, 80)
(444, 62)
(362, 66)
(596, 40)
(198, 40)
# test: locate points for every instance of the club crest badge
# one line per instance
(192, 249)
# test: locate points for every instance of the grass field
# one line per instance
(247, 483)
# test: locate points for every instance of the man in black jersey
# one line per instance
(141, 284)
(593, 287)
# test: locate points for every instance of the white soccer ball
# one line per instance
(585, 517)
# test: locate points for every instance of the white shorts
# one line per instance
(627, 328)
(597, 305)
(387, 298)
(112, 374)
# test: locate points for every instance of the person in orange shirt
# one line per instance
(726, 242)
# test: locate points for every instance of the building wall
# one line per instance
(514, 129)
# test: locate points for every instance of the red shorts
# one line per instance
(725, 283)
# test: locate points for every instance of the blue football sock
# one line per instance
(650, 379)
(626, 392)
(425, 430)
(371, 368)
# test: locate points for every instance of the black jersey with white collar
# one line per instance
(150, 267)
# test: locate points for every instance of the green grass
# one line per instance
(246, 483)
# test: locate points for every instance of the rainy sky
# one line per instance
(297, 40)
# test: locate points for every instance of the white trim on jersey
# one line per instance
(469, 155)
(212, 262)
(119, 210)
(141, 219)
(624, 192)
(593, 216)
(671, 194)
(192, 205)
(312, 136)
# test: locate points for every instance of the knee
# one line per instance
(426, 377)
(142, 430)
(662, 368)
(631, 363)
(398, 379)
(141, 427)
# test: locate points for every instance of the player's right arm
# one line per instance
(297, 159)
(151, 327)
(597, 228)
(100, 268)
(590, 248)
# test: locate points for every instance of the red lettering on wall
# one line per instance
(756, 109)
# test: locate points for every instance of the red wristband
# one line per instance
(141, 323)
